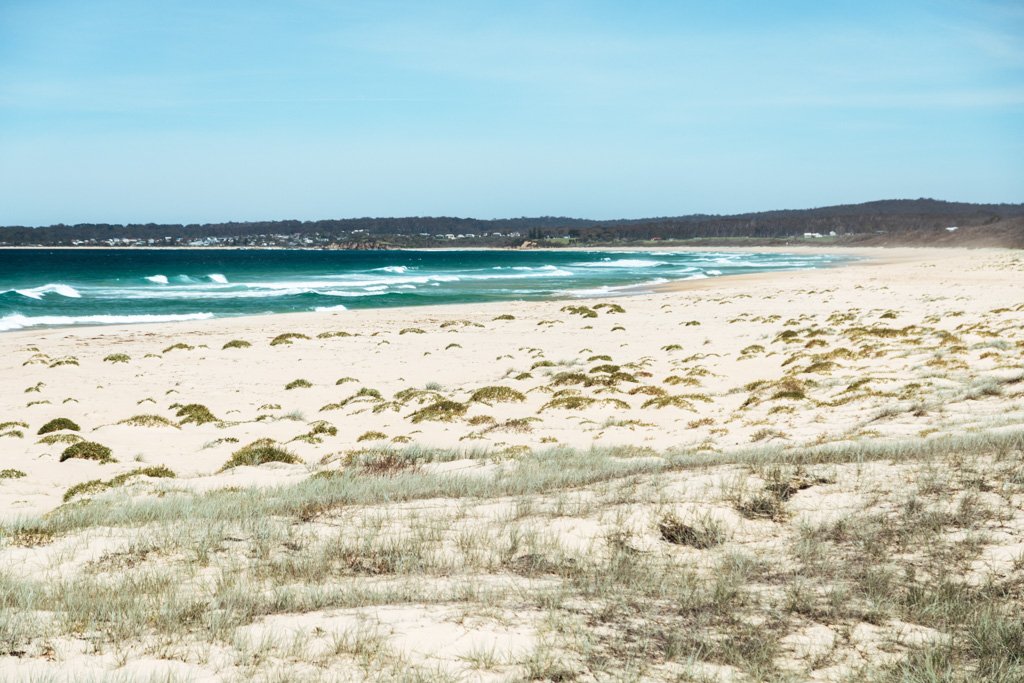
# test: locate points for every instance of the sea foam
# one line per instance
(38, 292)
(20, 322)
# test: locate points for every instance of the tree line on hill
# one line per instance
(888, 222)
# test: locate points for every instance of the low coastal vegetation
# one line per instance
(87, 450)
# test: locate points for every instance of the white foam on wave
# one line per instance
(623, 263)
(218, 278)
(713, 272)
(393, 269)
(322, 309)
(20, 322)
(38, 292)
(612, 290)
(157, 279)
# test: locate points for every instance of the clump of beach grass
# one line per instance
(443, 410)
(236, 344)
(259, 452)
(496, 394)
(193, 413)
(584, 311)
(12, 474)
(148, 421)
(58, 424)
(180, 346)
(298, 384)
(705, 532)
(372, 436)
(117, 358)
(411, 330)
(88, 450)
(287, 338)
(98, 485)
(66, 437)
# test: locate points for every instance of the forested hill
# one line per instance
(888, 222)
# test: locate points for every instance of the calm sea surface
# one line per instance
(42, 287)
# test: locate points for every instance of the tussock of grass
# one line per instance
(298, 384)
(317, 431)
(98, 485)
(609, 308)
(440, 411)
(286, 338)
(411, 330)
(148, 421)
(51, 439)
(496, 394)
(57, 424)
(345, 380)
(70, 360)
(117, 358)
(704, 533)
(87, 450)
(372, 436)
(504, 316)
(568, 403)
(236, 344)
(180, 346)
(332, 335)
(12, 474)
(193, 413)
(259, 452)
(584, 311)
(668, 402)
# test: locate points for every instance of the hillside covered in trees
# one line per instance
(889, 222)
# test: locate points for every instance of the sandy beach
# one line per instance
(485, 473)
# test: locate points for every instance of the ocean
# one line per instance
(61, 287)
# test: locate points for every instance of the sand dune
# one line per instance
(681, 400)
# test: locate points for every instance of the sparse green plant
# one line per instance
(98, 485)
(298, 384)
(504, 316)
(180, 346)
(236, 344)
(12, 474)
(372, 436)
(148, 421)
(411, 330)
(117, 358)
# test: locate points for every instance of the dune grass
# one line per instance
(59, 424)
(88, 450)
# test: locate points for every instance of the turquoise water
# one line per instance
(44, 287)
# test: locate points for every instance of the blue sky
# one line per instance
(194, 111)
